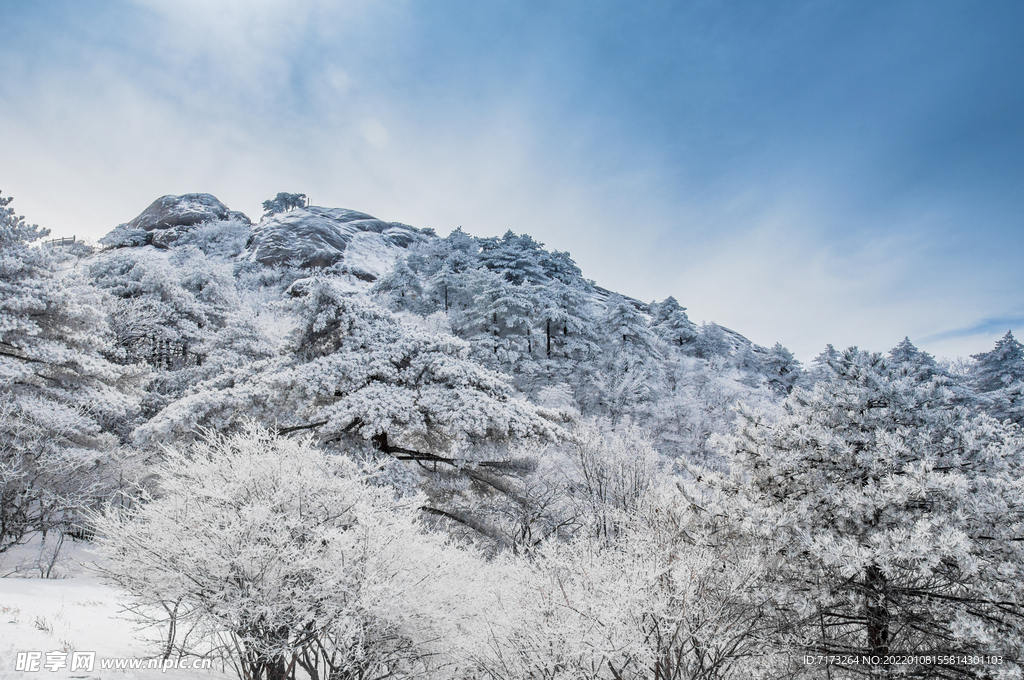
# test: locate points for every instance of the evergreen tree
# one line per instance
(14, 231)
(164, 308)
(999, 378)
(503, 315)
(353, 372)
(283, 202)
(751, 362)
(899, 516)
(711, 342)
(628, 375)
(670, 323)
(569, 328)
(61, 402)
(624, 326)
(905, 356)
(560, 267)
(517, 257)
(444, 288)
(781, 368)
(445, 265)
(400, 287)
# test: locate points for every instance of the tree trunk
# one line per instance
(877, 614)
(380, 441)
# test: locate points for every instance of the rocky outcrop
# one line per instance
(181, 211)
(166, 218)
(318, 237)
(354, 243)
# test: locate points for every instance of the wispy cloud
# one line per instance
(986, 327)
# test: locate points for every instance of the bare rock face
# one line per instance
(180, 211)
(318, 237)
(166, 218)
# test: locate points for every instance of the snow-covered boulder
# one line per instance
(319, 237)
(166, 218)
(181, 211)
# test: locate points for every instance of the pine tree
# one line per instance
(400, 287)
(60, 399)
(560, 266)
(625, 326)
(999, 377)
(628, 375)
(353, 372)
(163, 309)
(503, 317)
(569, 328)
(781, 368)
(671, 324)
(284, 202)
(518, 258)
(905, 356)
(900, 517)
(445, 266)
(711, 342)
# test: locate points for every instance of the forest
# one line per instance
(326, 446)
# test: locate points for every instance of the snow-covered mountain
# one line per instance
(352, 242)
(313, 435)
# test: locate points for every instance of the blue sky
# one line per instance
(803, 172)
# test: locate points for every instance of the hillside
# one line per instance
(324, 445)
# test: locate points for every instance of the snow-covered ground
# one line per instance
(75, 612)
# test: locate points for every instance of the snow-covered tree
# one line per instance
(559, 266)
(502, 318)
(608, 474)
(750, 362)
(164, 307)
(673, 596)
(443, 265)
(782, 370)
(14, 231)
(218, 238)
(694, 403)
(283, 202)
(518, 258)
(62, 404)
(899, 517)
(280, 557)
(624, 325)
(906, 357)
(354, 372)
(998, 376)
(711, 341)
(586, 484)
(670, 323)
(570, 331)
(400, 287)
(625, 380)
